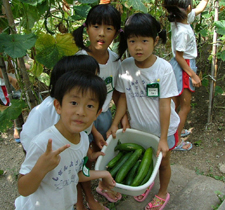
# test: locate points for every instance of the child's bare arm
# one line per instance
(29, 183)
(164, 110)
(120, 112)
(183, 64)
(107, 179)
(200, 7)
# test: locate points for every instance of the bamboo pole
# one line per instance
(213, 66)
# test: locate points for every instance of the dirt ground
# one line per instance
(207, 157)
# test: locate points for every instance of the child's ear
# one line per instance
(189, 8)
(156, 41)
(98, 113)
(57, 106)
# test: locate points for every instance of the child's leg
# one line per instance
(185, 107)
(80, 204)
(164, 179)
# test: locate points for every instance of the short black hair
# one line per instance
(84, 81)
(71, 63)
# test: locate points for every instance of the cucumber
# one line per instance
(114, 160)
(147, 177)
(128, 147)
(116, 168)
(132, 172)
(143, 168)
(128, 165)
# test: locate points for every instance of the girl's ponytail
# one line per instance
(122, 44)
(78, 37)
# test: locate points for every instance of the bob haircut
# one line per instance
(85, 82)
(71, 63)
(140, 24)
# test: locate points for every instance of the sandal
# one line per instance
(145, 194)
(158, 202)
(105, 194)
(179, 147)
(185, 133)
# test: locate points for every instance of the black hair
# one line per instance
(140, 24)
(84, 81)
(176, 9)
(99, 14)
(70, 63)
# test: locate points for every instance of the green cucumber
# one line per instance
(116, 168)
(143, 168)
(128, 165)
(132, 172)
(147, 177)
(114, 160)
(128, 147)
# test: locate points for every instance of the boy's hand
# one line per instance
(125, 123)
(112, 131)
(162, 147)
(108, 182)
(100, 141)
(196, 81)
(50, 159)
(94, 155)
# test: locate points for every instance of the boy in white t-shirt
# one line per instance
(49, 175)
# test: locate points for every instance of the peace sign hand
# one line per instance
(50, 159)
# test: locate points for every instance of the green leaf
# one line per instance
(205, 82)
(218, 90)
(137, 5)
(16, 45)
(82, 10)
(1, 172)
(220, 27)
(32, 2)
(11, 113)
(221, 55)
(50, 50)
(87, 1)
(204, 32)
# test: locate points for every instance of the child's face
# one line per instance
(77, 112)
(101, 36)
(141, 49)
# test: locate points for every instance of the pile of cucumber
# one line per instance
(132, 166)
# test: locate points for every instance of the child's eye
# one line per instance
(145, 40)
(95, 26)
(74, 103)
(90, 106)
(109, 28)
(131, 41)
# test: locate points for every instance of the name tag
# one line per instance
(109, 84)
(152, 90)
(85, 169)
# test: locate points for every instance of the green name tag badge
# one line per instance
(109, 84)
(152, 90)
(85, 169)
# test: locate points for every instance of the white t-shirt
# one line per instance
(109, 73)
(183, 38)
(144, 110)
(40, 117)
(58, 189)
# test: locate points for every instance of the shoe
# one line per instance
(180, 146)
(104, 193)
(186, 133)
(158, 202)
(17, 140)
(145, 194)
(105, 208)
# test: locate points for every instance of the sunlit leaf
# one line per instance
(16, 45)
(37, 69)
(136, 5)
(44, 78)
(50, 49)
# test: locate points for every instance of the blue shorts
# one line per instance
(179, 74)
(172, 141)
(102, 124)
